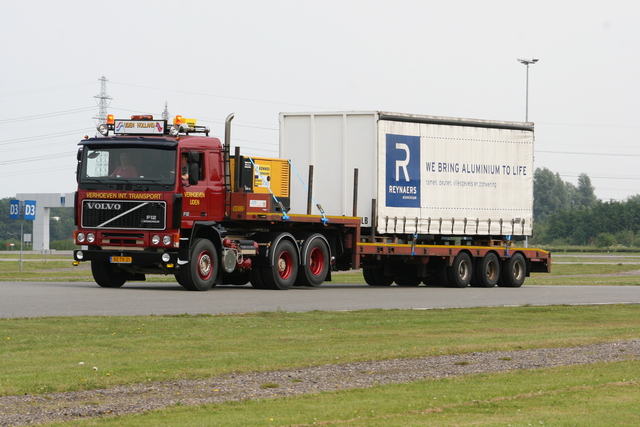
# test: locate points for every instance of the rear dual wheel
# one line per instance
(374, 276)
(514, 271)
(460, 271)
(486, 271)
(315, 266)
(282, 274)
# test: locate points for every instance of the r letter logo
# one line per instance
(403, 171)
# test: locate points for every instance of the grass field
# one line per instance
(43, 355)
(595, 395)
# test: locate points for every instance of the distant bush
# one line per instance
(605, 240)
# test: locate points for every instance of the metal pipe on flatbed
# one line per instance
(355, 192)
(310, 192)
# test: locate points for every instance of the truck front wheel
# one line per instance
(107, 275)
(199, 274)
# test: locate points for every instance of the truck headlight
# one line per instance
(80, 237)
(166, 240)
(91, 238)
(155, 239)
(166, 257)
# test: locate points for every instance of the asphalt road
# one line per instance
(36, 299)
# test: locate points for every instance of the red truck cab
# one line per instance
(139, 187)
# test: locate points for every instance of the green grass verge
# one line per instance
(593, 395)
(44, 354)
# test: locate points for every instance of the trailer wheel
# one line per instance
(442, 276)
(461, 271)
(487, 271)
(374, 276)
(199, 274)
(314, 270)
(107, 275)
(514, 270)
(282, 274)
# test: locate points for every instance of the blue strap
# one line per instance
(413, 244)
(285, 217)
(324, 219)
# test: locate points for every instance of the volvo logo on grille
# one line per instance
(104, 206)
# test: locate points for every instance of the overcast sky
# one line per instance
(257, 58)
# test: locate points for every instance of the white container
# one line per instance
(427, 174)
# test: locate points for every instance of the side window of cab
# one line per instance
(193, 170)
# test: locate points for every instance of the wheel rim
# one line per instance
(518, 271)
(492, 270)
(464, 271)
(285, 265)
(204, 265)
(316, 261)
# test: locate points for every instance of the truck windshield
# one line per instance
(132, 165)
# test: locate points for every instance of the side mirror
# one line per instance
(194, 172)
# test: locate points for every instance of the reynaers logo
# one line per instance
(403, 171)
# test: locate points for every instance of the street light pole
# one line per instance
(527, 62)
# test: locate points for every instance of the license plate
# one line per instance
(121, 259)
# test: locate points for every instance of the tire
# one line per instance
(282, 274)
(486, 271)
(461, 271)
(514, 271)
(374, 276)
(315, 267)
(408, 281)
(107, 275)
(235, 278)
(442, 276)
(179, 280)
(430, 281)
(255, 277)
(199, 274)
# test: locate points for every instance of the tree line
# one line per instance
(568, 215)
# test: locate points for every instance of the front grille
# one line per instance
(124, 214)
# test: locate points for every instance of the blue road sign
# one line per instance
(30, 209)
(14, 209)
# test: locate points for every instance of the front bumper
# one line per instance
(134, 258)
